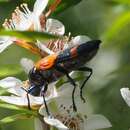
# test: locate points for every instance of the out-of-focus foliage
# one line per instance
(108, 20)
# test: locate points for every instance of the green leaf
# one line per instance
(16, 117)
(65, 4)
(3, 90)
(20, 109)
(121, 22)
(28, 35)
(121, 1)
(6, 70)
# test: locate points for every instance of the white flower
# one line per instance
(79, 120)
(125, 93)
(19, 96)
(23, 19)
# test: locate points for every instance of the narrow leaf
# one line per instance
(13, 107)
(16, 117)
(28, 35)
(3, 90)
(121, 1)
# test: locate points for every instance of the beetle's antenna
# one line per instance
(52, 7)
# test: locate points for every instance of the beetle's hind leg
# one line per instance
(64, 71)
(87, 78)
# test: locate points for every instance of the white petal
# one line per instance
(22, 101)
(125, 92)
(27, 64)
(55, 122)
(13, 85)
(95, 122)
(55, 27)
(44, 48)
(39, 6)
(4, 43)
(80, 40)
(36, 22)
(9, 82)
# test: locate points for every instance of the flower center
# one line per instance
(73, 123)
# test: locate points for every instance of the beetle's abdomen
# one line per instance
(63, 56)
(89, 47)
(84, 51)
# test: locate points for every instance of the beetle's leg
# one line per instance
(43, 91)
(29, 107)
(87, 78)
(64, 71)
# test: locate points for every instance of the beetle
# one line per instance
(54, 66)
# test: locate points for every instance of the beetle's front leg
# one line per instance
(29, 106)
(42, 93)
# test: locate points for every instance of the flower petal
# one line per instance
(44, 48)
(22, 101)
(39, 6)
(80, 40)
(27, 64)
(95, 122)
(13, 85)
(4, 43)
(55, 122)
(55, 27)
(125, 93)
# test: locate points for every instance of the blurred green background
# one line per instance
(108, 20)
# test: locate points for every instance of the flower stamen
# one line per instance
(25, 8)
(72, 121)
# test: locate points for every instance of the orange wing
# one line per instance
(47, 62)
(32, 48)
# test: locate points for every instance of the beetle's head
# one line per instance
(35, 77)
(36, 82)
